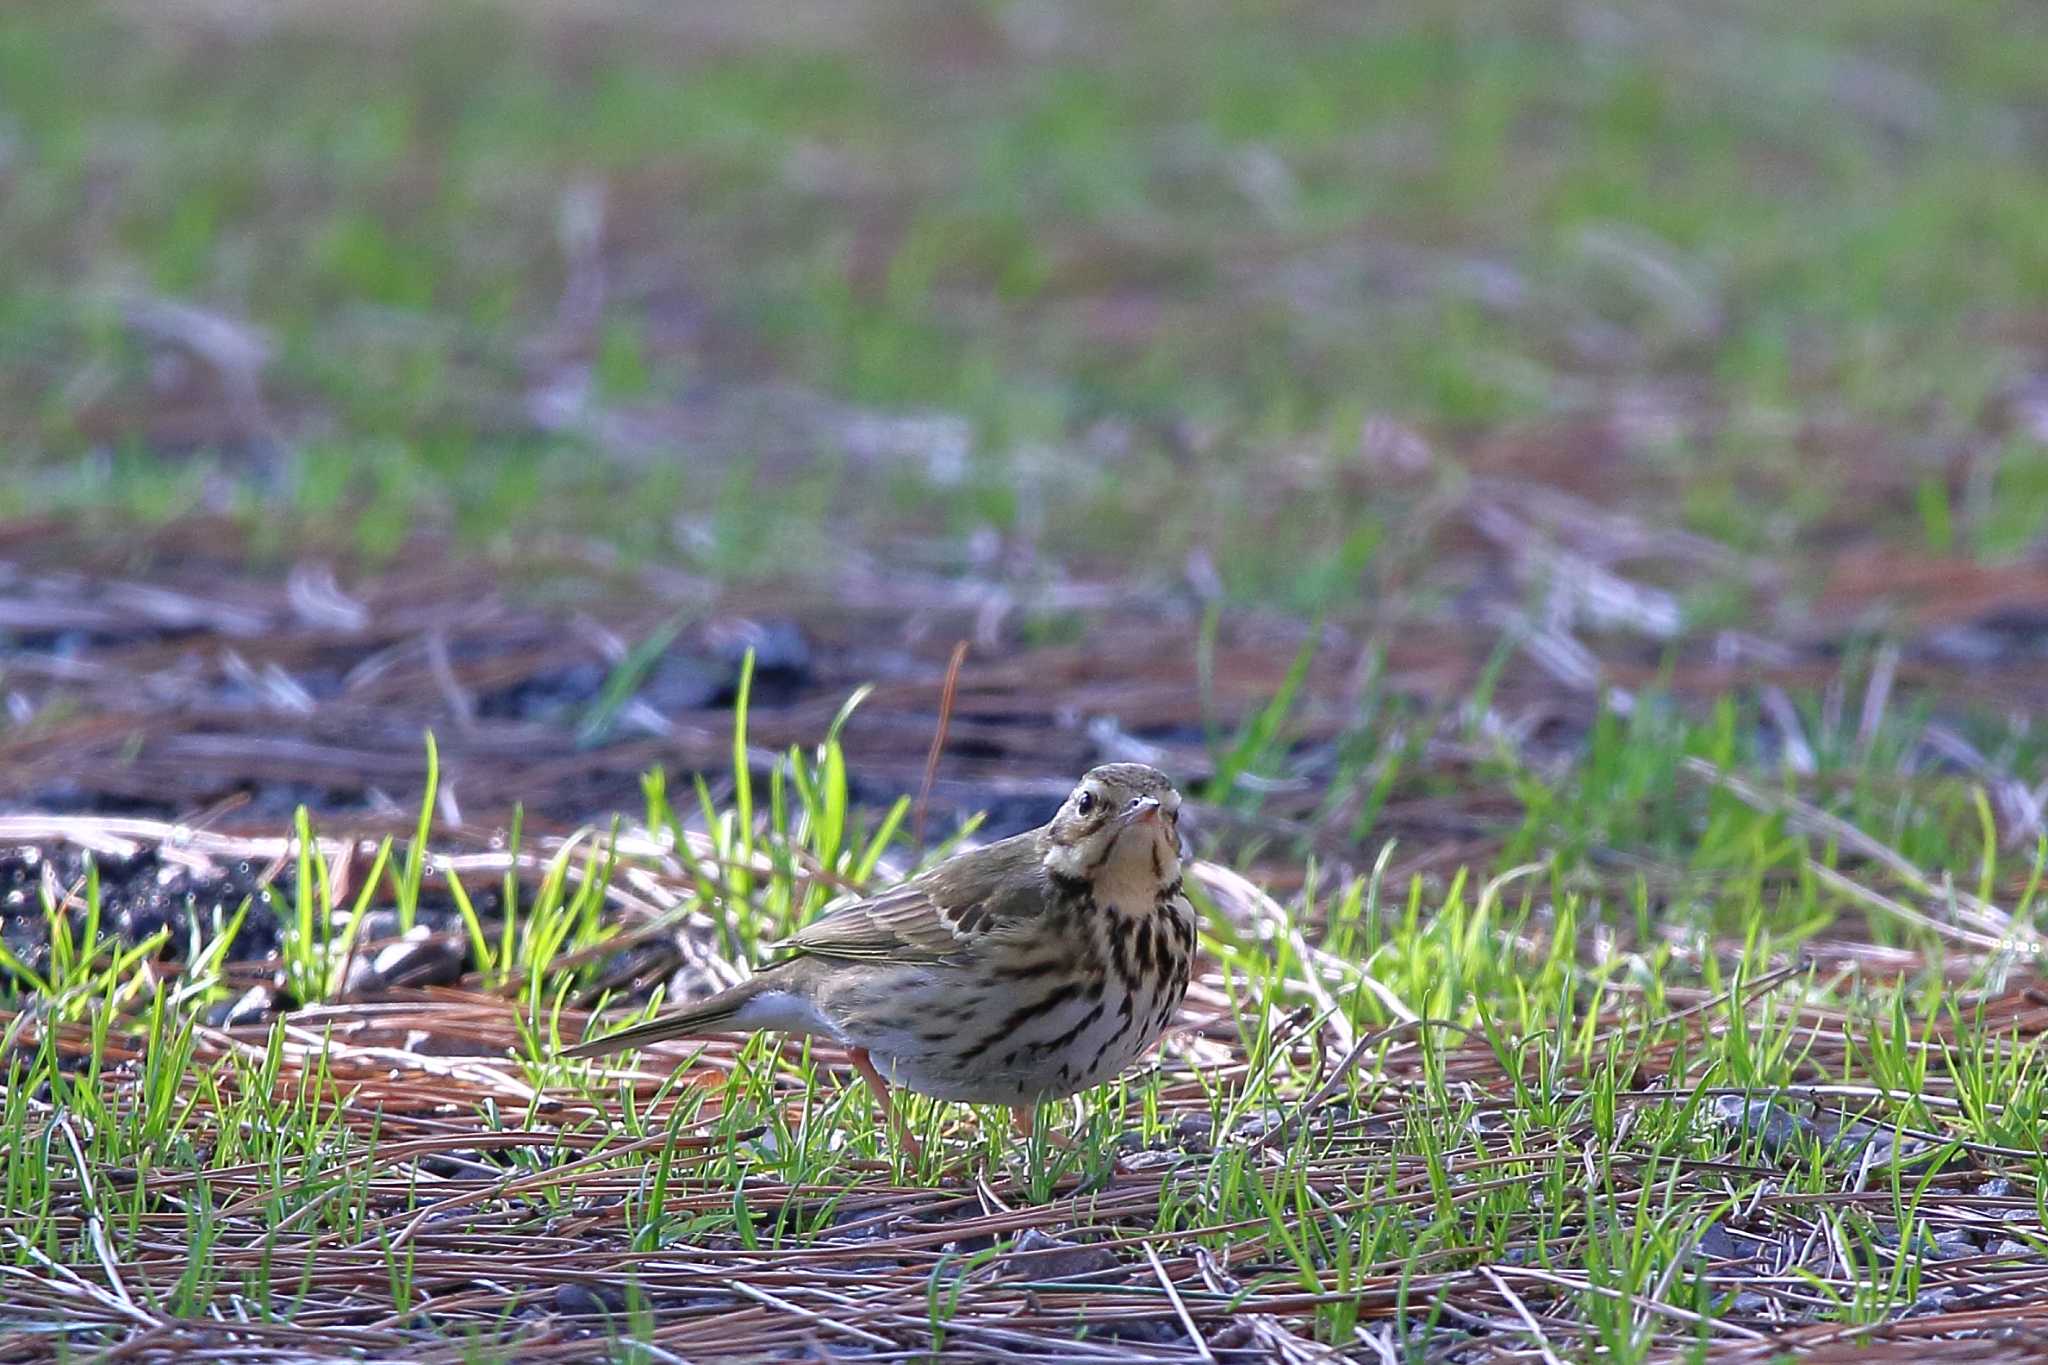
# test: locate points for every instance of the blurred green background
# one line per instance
(1082, 288)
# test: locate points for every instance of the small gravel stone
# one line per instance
(580, 1300)
(1039, 1255)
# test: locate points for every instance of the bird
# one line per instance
(1025, 970)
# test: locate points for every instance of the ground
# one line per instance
(493, 493)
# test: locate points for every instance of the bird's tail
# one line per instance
(716, 1014)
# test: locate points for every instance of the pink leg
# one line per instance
(865, 1065)
(1023, 1117)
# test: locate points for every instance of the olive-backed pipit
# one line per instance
(1024, 971)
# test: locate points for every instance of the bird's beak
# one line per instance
(1144, 808)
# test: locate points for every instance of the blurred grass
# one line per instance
(1164, 263)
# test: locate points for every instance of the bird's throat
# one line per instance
(1140, 865)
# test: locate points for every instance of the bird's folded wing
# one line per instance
(933, 917)
(900, 925)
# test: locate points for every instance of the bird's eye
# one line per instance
(1084, 803)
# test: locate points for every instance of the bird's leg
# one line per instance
(865, 1065)
(1023, 1117)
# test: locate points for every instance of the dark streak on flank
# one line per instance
(1080, 1026)
(1024, 971)
(1023, 1015)
(1095, 1062)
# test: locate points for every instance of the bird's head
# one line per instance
(1118, 831)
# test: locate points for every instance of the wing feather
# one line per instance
(932, 917)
